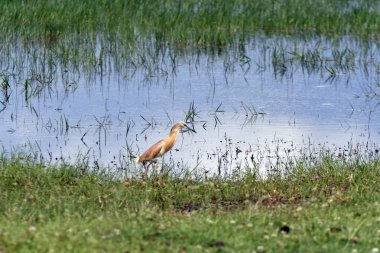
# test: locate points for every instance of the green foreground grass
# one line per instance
(334, 207)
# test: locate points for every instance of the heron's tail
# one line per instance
(137, 159)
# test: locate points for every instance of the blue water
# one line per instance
(107, 117)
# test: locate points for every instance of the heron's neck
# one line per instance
(173, 134)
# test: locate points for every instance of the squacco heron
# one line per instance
(152, 154)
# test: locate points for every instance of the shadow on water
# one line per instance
(256, 105)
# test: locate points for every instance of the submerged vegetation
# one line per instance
(98, 37)
(62, 208)
(143, 34)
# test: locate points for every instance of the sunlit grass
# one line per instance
(333, 207)
(182, 22)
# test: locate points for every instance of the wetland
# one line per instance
(286, 91)
(258, 104)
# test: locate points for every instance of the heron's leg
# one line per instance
(146, 167)
(154, 163)
(151, 163)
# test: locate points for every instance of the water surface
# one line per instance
(253, 106)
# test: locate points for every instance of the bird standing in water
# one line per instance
(152, 154)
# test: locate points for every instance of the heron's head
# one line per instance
(179, 125)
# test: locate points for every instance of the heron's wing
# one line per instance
(152, 152)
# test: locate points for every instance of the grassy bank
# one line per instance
(332, 208)
(199, 22)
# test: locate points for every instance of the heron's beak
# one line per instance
(190, 129)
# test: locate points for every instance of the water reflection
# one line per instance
(253, 106)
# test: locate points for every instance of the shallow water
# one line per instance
(260, 110)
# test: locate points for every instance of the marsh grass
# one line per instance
(35, 69)
(96, 36)
(201, 23)
(334, 205)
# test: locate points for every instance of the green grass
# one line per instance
(330, 208)
(191, 21)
